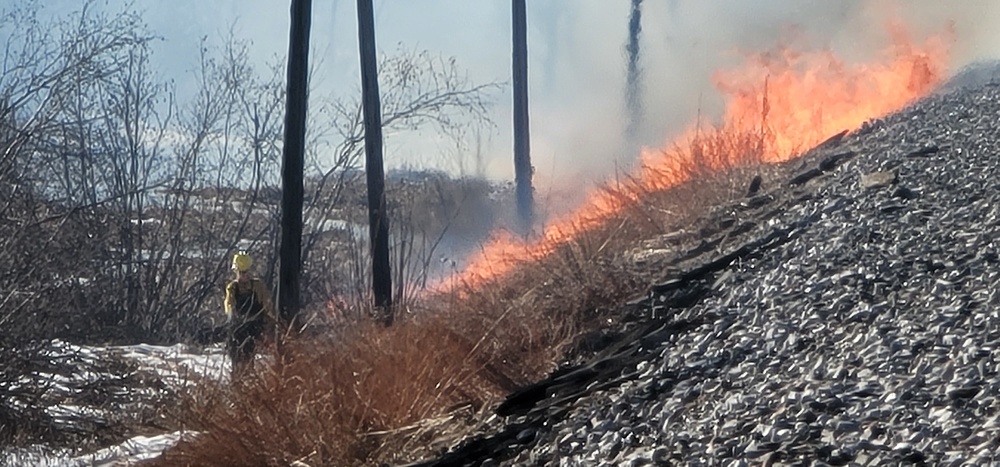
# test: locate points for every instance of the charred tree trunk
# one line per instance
(290, 251)
(522, 146)
(378, 220)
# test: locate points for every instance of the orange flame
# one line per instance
(792, 100)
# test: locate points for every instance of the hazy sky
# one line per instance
(576, 57)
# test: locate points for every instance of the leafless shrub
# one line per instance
(420, 92)
(50, 229)
(119, 206)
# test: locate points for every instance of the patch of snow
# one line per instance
(179, 366)
(151, 220)
(133, 450)
(129, 452)
(176, 364)
(67, 414)
(327, 225)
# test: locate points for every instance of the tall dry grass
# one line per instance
(368, 395)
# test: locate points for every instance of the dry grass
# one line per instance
(335, 402)
(376, 395)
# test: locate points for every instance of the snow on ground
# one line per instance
(178, 366)
(127, 453)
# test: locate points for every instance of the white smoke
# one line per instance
(577, 130)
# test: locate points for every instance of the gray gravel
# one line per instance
(870, 338)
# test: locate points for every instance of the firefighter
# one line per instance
(250, 315)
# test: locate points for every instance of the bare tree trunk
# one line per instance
(633, 75)
(378, 220)
(290, 253)
(522, 145)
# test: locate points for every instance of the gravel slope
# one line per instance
(871, 336)
(847, 315)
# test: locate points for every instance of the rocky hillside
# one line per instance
(844, 313)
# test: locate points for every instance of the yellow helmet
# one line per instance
(242, 262)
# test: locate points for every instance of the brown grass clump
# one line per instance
(368, 395)
(334, 402)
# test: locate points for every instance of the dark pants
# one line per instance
(243, 336)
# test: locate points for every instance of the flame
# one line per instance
(785, 101)
(808, 97)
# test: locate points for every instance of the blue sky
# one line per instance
(576, 57)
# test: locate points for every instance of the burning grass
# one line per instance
(385, 395)
(373, 394)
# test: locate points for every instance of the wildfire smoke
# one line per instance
(778, 103)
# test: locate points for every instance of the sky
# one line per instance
(576, 59)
